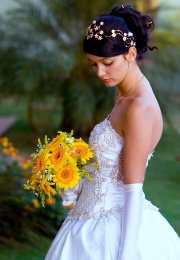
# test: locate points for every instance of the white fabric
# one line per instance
(92, 230)
(131, 219)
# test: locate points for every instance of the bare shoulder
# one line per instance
(140, 112)
(138, 138)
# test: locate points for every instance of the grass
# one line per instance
(16, 251)
(161, 182)
(163, 178)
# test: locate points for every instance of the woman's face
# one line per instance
(112, 71)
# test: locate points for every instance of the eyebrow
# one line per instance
(99, 60)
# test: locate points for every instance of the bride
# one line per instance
(111, 219)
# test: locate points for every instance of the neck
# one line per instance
(132, 76)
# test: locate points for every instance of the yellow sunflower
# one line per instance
(58, 157)
(67, 177)
(80, 150)
(56, 142)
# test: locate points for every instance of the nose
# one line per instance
(100, 71)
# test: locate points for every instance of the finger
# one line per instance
(69, 198)
(67, 203)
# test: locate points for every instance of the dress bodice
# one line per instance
(104, 194)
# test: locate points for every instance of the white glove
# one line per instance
(131, 218)
(70, 196)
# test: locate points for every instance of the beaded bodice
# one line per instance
(104, 194)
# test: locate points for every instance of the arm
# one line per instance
(137, 141)
(131, 220)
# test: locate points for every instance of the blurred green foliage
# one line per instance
(163, 66)
(22, 217)
(42, 62)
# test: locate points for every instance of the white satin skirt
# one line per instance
(99, 239)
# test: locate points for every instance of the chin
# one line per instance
(109, 85)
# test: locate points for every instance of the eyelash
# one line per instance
(109, 64)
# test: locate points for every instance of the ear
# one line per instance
(131, 55)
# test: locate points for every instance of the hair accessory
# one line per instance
(95, 31)
(148, 24)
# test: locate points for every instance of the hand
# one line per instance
(90, 168)
(70, 196)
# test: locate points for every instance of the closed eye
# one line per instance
(109, 64)
(106, 64)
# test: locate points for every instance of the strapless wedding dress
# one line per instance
(92, 230)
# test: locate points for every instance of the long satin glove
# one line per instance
(132, 212)
(70, 196)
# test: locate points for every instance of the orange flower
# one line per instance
(40, 162)
(36, 203)
(10, 150)
(50, 201)
(67, 177)
(4, 141)
(5, 151)
(46, 187)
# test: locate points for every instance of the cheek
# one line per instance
(115, 71)
(121, 69)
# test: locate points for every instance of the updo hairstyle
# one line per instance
(126, 19)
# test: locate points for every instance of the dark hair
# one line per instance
(126, 19)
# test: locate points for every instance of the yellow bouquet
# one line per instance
(58, 164)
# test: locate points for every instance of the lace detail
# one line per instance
(106, 145)
(101, 139)
(147, 205)
(116, 174)
(121, 139)
(99, 195)
(96, 215)
(91, 194)
(149, 157)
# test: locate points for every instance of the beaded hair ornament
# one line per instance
(95, 31)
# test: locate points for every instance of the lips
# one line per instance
(105, 80)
